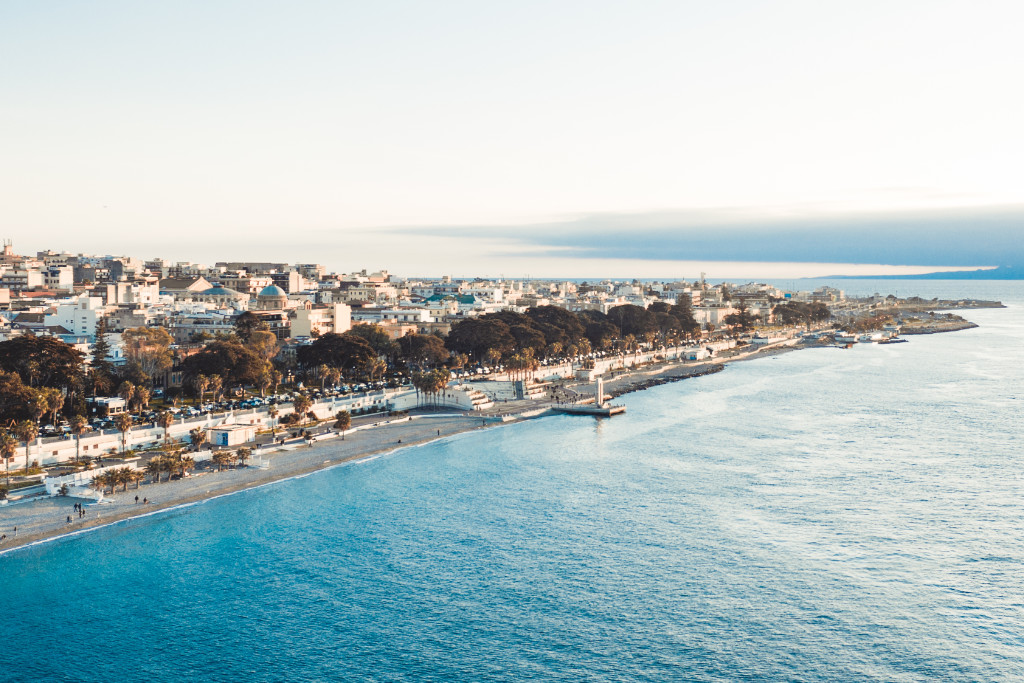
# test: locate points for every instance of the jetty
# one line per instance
(597, 411)
(597, 406)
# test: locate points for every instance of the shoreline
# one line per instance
(118, 507)
(46, 525)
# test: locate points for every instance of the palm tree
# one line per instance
(100, 482)
(243, 455)
(123, 476)
(8, 447)
(79, 426)
(124, 425)
(221, 458)
(344, 421)
(137, 477)
(273, 413)
(27, 431)
(216, 385)
(101, 383)
(38, 406)
(322, 372)
(302, 404)
(201, 384)
(54, 402)
(126, 391)
(198, 437)
(169, 464)
(186, 464)
(154, 468)
(275, 378)
(433, 383)
(165, 420)
(142, 396)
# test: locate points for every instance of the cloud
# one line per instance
(961, 237)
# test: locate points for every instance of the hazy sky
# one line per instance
(208, 130)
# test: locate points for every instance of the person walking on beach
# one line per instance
(136, 500)
(69, 519)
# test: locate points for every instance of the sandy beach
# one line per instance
(43, 519)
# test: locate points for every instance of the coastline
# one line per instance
(42, 520)
(289, 463)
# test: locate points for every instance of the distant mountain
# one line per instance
(1000, 273)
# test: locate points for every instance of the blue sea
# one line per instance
(827, 515)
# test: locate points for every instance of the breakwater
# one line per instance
(664, 378)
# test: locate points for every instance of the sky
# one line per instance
(545, 138)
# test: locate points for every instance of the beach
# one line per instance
(44, 519)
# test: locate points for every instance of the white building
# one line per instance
(18, 279)
(78, 315)
(59, 277)
(232, 435)
(322, 318)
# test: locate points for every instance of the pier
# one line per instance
(595, 407)
(597, 411)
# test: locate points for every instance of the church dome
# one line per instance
(272, 291)
(271, 298)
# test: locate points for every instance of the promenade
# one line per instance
(43, 518)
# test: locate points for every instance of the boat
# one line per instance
(846, 338)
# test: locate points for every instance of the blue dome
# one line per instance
(218, 290)
(273, 290)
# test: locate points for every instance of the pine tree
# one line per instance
(101, 367)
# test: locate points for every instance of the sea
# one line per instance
(825, 515)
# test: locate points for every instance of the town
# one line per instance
(113, 363)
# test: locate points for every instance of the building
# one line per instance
(271, 298)
(222, 297)
(20, 279)
(312, 320)
(78, 316)
(108, 405)
(61, 278)
(183, 288)
(231, 435)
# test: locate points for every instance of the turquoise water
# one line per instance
(825, 515)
